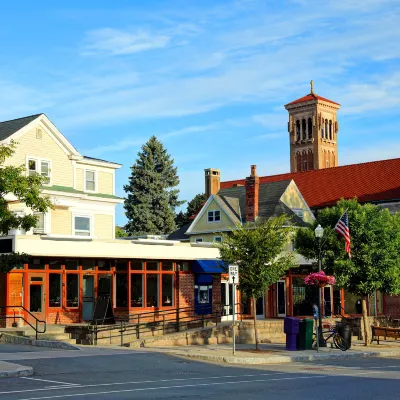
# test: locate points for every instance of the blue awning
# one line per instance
(209, 267)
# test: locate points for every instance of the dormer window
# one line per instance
(37, 166)
(90, 180)
(214, 216)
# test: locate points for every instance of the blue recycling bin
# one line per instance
(291, 328)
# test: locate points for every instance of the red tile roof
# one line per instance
(369, 182)
(309, 97)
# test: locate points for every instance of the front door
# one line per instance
(87, 297)
(281, 298)
(37, 297)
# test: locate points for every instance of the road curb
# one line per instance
(13, 339)
(288, 359)
(15, 371)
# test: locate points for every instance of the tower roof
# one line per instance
(311, 96)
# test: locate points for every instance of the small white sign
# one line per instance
(234, 274)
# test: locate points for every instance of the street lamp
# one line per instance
(319, 233)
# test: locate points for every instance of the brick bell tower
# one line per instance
(313, 127)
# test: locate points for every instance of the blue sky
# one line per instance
(209, 78)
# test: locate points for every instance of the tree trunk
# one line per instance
(255, 321)
(365, 320)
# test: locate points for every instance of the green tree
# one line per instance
(375, 242)
(152, 194)
(26, 189)
(194, 205)
(257, 249)
(120, 232)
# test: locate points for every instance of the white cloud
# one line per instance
(117, 42)
(127, 143)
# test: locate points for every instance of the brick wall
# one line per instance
(186, 290)
(216, 290)
(392, 306)
(63, 317)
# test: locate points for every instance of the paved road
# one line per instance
(126, 374)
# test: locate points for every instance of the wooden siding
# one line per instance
(105, 182)
(103, 226)
(45, 148)
(61, 222)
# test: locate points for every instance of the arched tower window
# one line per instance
(297, 130)
(304, 128)
(330, 130)
(309, 122)
(326, 129)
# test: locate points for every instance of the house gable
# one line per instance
(201, 224)
(294, 200)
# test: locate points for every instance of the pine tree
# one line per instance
(152, 194)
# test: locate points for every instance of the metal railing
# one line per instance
(167, 321)
(37, 322)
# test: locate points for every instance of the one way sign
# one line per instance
(233, 274)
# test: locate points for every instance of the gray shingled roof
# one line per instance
(269, 203)
(8, 128)
(101, 160)
(179, 234)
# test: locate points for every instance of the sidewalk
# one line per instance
(9, 370)
(276, 353)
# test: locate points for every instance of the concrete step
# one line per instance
(50, 336)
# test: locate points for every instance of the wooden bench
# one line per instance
(385, 332)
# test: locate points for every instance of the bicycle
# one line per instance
(338, 340)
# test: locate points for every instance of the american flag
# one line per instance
(342, 227)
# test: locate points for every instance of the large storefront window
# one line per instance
(304, 297)
(352, 303)
(152, 282)
(121, 290)
(55, 290)
(167, 290)
(136, 290)
(72, 290)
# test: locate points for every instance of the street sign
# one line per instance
(233, 274)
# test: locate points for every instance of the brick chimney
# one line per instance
(212, 178)
(252, 188)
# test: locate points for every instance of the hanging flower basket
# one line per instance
(319, 279)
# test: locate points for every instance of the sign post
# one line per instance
(234, 280)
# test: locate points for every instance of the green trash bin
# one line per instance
(305, 336)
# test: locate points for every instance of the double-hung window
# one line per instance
(90, 181)
(39, 228)
(39, 167)
(82, 225)
(214, 216)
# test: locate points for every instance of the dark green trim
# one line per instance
(67, 189)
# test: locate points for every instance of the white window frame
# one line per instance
(38, 231)
(198, 240)
(95, 180)
(91, 225)
(213, 216)
(38, 169)
(299, 213)
(217, 237)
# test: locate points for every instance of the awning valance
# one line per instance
(209, 267)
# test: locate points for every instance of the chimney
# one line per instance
(252, 189)
(212, 181)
